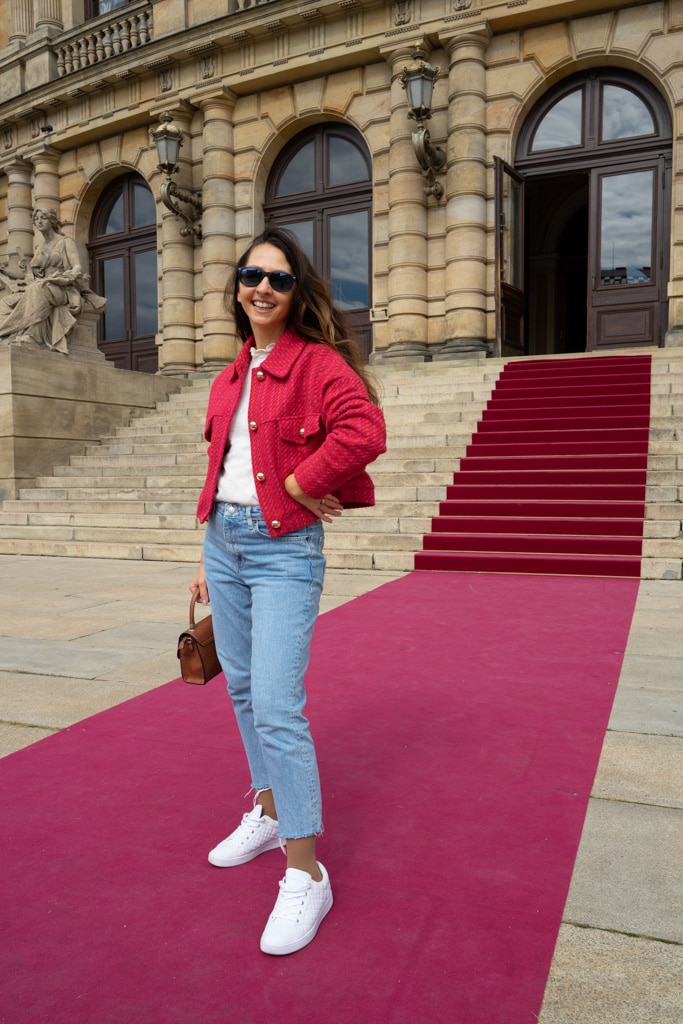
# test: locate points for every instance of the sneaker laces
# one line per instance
(250, 824)
(291, 900)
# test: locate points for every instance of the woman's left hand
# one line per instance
(324, 508)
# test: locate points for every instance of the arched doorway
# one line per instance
(321, 189)
(591, 192)
(123, 268)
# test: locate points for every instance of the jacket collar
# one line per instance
(279, 362)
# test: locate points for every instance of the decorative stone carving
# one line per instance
(402, 12)
(42, 308)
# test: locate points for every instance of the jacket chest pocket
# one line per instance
(300, 429)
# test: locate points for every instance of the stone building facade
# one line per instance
(560, 225)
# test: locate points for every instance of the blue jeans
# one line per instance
(265, 594)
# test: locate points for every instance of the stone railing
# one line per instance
(104, 40)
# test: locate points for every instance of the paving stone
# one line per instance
(627, 876)
(602, 978)
(641, 769)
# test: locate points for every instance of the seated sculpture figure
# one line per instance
(43, 307)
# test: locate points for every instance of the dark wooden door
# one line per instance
(627, 289)
(509, 219)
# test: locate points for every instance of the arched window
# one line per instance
(123, 268)
(321, 189)
(594, 117)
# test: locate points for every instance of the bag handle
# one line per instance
(193, 601)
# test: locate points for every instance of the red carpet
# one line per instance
(459, 720)
(554, 479)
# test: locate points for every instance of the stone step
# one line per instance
(142, 447)
(74, 479)
(101, 520)
(108, 494)
(93, 534)
(73, 549)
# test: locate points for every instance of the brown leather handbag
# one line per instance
(197, 650)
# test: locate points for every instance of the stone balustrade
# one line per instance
(126, 32)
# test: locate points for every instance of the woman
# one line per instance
(43, 310)
(292, 424)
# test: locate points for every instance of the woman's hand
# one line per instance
(199, 586)
(324, 508)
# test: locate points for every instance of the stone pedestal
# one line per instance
(462, 348)
(52, 406)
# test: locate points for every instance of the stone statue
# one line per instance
(43, 307)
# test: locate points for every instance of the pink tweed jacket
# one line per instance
(309, 414)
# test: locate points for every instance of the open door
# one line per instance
(509, 219)
(627, 297)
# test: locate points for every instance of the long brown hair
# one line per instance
(313, 314)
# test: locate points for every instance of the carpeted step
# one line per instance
(546, 492)
(550, 543)
(567, 436)
(537, 421)
(605, 404)
(554, 448)
(544, 509)
(529, 563)
(566, 390)
(551, 473)
(566, 525)
(519, 463)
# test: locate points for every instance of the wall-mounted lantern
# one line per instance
(418, 82)
(168, 139)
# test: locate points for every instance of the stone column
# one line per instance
(49, 13)
(466, 212)
(177, 354)
(218, 232)
(407, 279)
(19, 209)
(46, 182)
(20, 19)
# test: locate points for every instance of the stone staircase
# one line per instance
(133, 495)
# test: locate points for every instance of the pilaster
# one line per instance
(465, 299)
(19, 213)
(407, 222)
(177, 354)
(218, 227)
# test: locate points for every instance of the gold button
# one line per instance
(276, 524)
(302, 432)
(252, 425)
(260, 375)
(260, 477)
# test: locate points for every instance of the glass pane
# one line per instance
(349, 260)
(345, 163)
(626, 228)
(146, 312)
(299, 175)
(113, 324)
(107, 6)
(561, 126)
(303, 229)
(114, 221)
(511, 271)
(624, 115)
(144, 207)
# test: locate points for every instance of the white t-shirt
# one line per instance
(236, 482)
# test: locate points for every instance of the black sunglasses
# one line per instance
(279, 281)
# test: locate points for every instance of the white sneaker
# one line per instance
(298, 911)
(255, 834)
